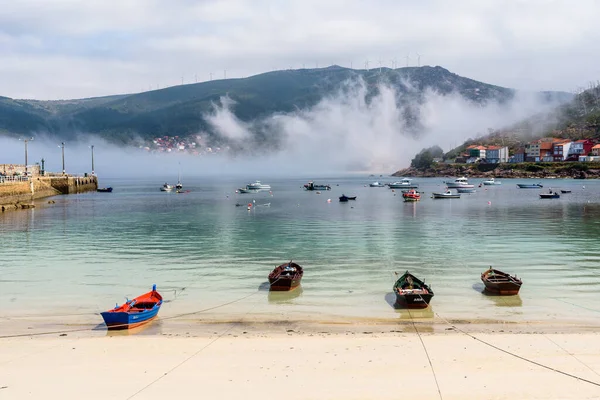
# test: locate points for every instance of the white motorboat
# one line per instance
(404, 183)
(461, 182)
(491, 181)
(257, 186)
(446, 195)
(376, 184)
(166, 188)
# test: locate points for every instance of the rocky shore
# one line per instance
(524, 170)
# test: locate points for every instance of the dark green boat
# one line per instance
(411, 292)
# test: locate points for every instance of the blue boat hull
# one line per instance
(128, 320)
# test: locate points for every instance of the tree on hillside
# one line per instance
(424, 159)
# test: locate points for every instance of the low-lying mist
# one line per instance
(351, 132)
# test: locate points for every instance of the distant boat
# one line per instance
(446, 195)
(312, 186)
(529, 185)
(286, 276)
(565, 191)
(411, 292)
(466, 190)
(405, 183)
(344, 198)
(491, 181)
(166, 188)
(257, 186)
(104, 190)
(411, 195)
(179, 184)
(376, 184)
(244, 190)
(461, 182)
(499, 282)
(551, 195)
(134, 312)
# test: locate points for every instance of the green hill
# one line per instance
(181, 110)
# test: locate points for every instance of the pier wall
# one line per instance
(13, 193)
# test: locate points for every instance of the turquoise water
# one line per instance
(65, 262)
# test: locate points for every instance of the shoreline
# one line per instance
(319, 365)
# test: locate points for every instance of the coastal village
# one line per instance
(541, 150)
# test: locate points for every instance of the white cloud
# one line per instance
(523, 44)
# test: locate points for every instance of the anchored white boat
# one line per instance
(376, 184)
(258, 186)
(446, 195)
(491, 181)
(166, 188)
(461, 182)
(404, 183)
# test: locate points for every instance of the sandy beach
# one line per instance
(239, 360)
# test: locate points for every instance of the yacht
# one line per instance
(166, 188)
(404, 183)
(376, 184)
(257, 186)
(461, 182)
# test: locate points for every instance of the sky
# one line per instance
(58, 49)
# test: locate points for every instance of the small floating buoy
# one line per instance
(583, 186)
(489, 203)
(329, 200)
(249, 205)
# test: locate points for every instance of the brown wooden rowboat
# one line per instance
(501, 283)
(286, 276)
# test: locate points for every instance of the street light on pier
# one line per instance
(25, 141)
(92, 147)
(62, 146)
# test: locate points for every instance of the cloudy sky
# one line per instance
(52, 49)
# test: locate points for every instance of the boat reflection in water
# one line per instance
(503, 301)
(285, 296)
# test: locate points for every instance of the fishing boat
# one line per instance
(405, 183)
(104, 190)
(461, 182)
(376, 184)
(499, 282)
(312, 186)
(563, 191)
(491, 182)
(466, 190)
(529, 185)
(446, 195)
(166, 188)
(285, 277)
(411, 292)
(344, 198)
(244, 190)
(551, 195)
(411, 195)
(134, 312)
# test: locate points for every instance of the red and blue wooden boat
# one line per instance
(134, 312)
(411, 292)
(285, 277)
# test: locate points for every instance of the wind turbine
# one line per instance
(367, 65)
(407, 58)
(380, 64)
(418, 59)
(210, 76)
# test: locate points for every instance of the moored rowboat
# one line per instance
(499, 282)
(134, 312)
(412, 292)
(286, 276)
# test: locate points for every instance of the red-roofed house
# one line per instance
(596, 150)
(581, 147)
(560, 150)
(496, 154)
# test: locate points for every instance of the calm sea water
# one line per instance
(67, 261)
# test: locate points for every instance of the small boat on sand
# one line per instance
(104, 190)
(499, 282)
(286, 276)
(411, 292)
(134, 312)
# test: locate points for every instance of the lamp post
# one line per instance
(92, 147)
(62, 146)
(25, 141)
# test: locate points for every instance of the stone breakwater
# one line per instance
(17, 195)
